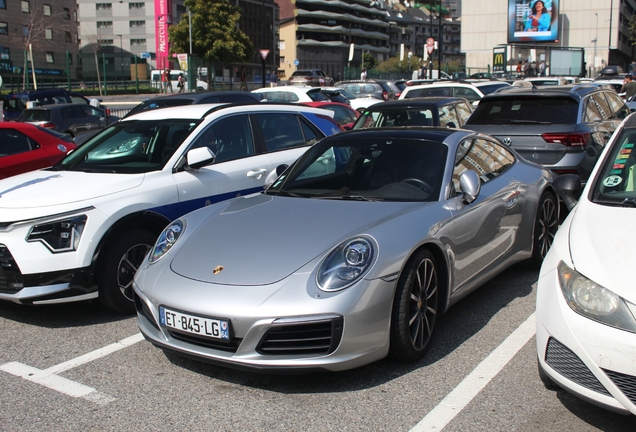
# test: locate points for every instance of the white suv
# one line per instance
(80, 229)
(473, 91)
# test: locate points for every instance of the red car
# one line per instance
(344, 115)
(26, 147)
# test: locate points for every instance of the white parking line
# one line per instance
(461, 396)
(49, 378)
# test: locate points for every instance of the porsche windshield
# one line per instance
(369, 168)
(129, 147)
(615, 182)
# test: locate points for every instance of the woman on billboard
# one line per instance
(539, 19)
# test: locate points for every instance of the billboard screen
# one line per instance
(533, 20)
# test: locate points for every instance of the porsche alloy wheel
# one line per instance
(120, 263)
(545, 227)
(415, 308)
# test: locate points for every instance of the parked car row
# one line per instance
(227, 201)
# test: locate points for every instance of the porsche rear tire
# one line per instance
(546, 224)
(415, 308)
(120, 261)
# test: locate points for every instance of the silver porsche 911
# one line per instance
(349, 256)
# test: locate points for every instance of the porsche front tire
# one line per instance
(415, 308)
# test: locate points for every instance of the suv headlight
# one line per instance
(166, 240)
(594, 301)
(61, 235)
(345, 264)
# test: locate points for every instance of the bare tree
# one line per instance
(95, 43)
(41, 27)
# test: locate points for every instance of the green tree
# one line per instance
(370, 62)
(216, 36)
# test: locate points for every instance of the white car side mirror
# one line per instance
(200, 157)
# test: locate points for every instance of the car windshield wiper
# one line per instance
(629, 202)
(529, 122)
(347, 197)
(283, 193)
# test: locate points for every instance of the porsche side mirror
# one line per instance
(568, 186)
(200, 157)
(469, 185)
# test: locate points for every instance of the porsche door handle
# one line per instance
(257, 174)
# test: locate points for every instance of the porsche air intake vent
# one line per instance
(320, 337)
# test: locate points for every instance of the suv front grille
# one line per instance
(564, 361)
(316, 338)
(10, 275)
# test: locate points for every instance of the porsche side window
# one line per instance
(448, 117)
(486, 158)
(464, 111)
(324, 165)
(14, 142)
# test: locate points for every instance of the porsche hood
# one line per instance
(261, 239)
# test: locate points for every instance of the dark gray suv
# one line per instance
(561, 127)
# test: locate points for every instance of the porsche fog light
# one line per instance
(345, 264)
(169, 236)
(594, 301)
(59, 236)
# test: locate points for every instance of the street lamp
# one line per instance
(121, 57)
(594, 42)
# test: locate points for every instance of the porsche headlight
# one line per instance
(59, 236)
(166, 240)
(594, 301)
(345, 264)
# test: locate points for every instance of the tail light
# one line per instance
(47, 125)
(572, 139)
(107, 111)
(385, 95)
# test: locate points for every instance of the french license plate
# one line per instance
(207, 327)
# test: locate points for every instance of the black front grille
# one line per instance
(627, 383)
(202, 341)
(316, 338)
(10, 275)
(564, 361)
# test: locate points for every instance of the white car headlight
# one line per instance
(345, 264)
(59, 236)
(166, 240)
(594, 301)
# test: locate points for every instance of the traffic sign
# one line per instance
(264, 53)
(296, 62)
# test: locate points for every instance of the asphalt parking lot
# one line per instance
(79, 367)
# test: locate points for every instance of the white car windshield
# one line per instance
(130, 147)
(615, 182)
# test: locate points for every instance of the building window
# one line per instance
(48, 34)
(106, 42)
(103, 6)
(104, 24)
(26, 6)
(4, 28)
(49, 57)
(136, 6)
(67, 14)
(75, 16)
(135, 24)
(137, 42)
(67, 37)
(3, 4)
(5, 53)
(47, 10)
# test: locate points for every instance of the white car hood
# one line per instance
(603, 246)
(37, 189)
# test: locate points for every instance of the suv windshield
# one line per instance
(525, 110)
(615, 182)
(130, 147)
